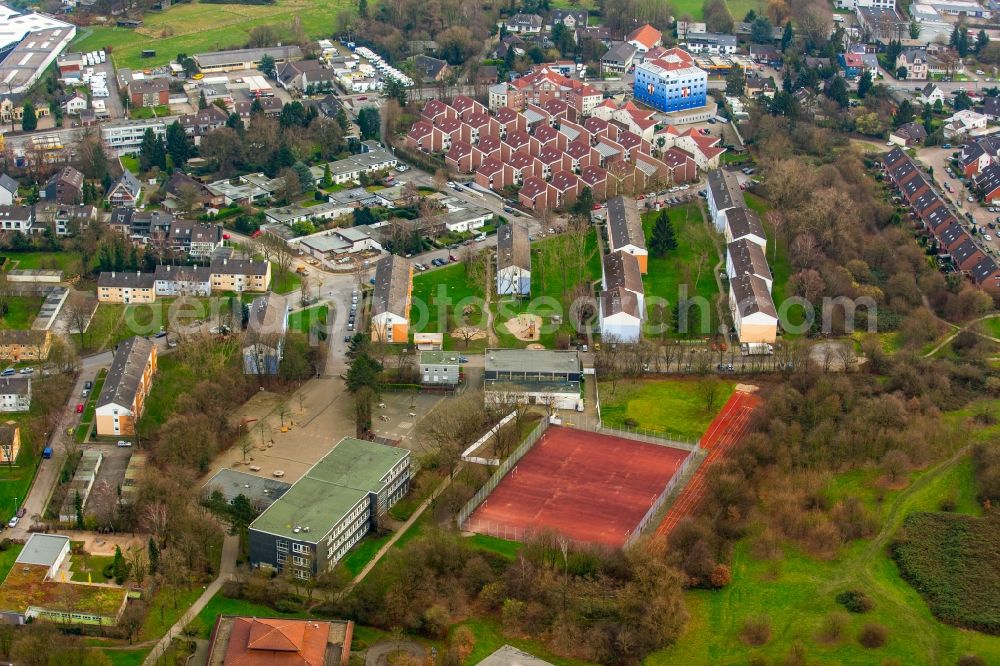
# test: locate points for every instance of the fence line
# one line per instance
(511, 533)
(467, 454)
(667, 490)
(659, 438)
(501, 472)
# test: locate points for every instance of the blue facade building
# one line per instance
(671, 82)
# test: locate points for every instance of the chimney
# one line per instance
(112, 274)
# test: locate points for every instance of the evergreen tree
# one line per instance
(154, 556)
(788, 37)
(369, 122)
(584, 203)
(395, 90)
(119, 567)
(342, 119)
(29, 121)
(837, 91)
(786, 81)
(78, 505)
(663, 240)
(202, 102)
(235, 122)
(864, 84)
(256, 107)
(267, 66)
(327, 176)
(735, 82)
(151, 151)
(363, 8)
(982, 41)
(178, 144)
(904, 113)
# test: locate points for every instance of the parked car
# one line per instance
(13, 522)
(88, 384)
(122, 443)
(86, 392)
(27, 371)
(79, 408)
(7, 372)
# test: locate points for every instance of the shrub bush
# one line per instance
(834, 627)
(756, 630)
(873, 635)
(971, 660)
(4, 545)
(288, 606)
(109, 570)
(855, 601)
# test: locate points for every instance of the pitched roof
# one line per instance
(15, 385)
(621, 269)
(513, 247)
(430, 67)
(624, 224)
(646, 35)
(532, 187)
(279, 641)
(127, 182)
(123, 378)
(564, 180)
(748, 259)
(617, 300)
(989, 179)
(725, 189)
(8, 183)
(125, 279)
(392, 286)
(744, 222)
(752, 296)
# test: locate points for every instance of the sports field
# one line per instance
(725, 430)
(589, 487)
(195, 27)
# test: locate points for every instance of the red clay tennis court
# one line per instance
(587, 486)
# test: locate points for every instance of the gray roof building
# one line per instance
(744, 222)
(748, 259)
(124, 378)
(43, 549)
(752, 296)
(513, 247)
(262, 491)
(624, 224)
(621, 269)
(392, 286)
(125, 280)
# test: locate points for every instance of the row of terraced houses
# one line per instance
(553, 147)
(953, 241)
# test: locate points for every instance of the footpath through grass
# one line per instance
(797, 594)
(678, 408)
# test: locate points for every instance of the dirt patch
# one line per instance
(468, 333)
(535, 345)
(527, 327)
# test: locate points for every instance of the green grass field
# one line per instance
(173, 377)
(21, 311)
(220, 605)
(673, 406)
(797, 592)
(92, 566)
(166, 606)
(195, 28)
(7, 558)
(284, 283)
(738, 8)
(16, 480)
(688, 271)
(64, 261)
(126, 657)
(508, 549)
(305, 320)
(362, 554)
(438, 294)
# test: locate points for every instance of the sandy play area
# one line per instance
(527, 327)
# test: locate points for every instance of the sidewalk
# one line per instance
(230, 550)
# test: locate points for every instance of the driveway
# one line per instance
(939, 159)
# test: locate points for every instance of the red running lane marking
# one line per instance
(726, 430)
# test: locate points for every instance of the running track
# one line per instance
(725, 430)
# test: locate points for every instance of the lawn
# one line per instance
(195, 28)
(131, 162)
(167, 605)
(69, 262)
(15, 481)
(362, 554)
(673, 406)
(489, 638)
(508, 549)
(991, 326)
(738, 8)
(306, 320)
(174, 376)
(797, 593)
(220, 605)
(104, 328)
(126, 657)
(21, 311)
(145, 112)
(686, 272)
(549, 288)
(7, 558)
(438, 294)
(90, 568)
(284, 283)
